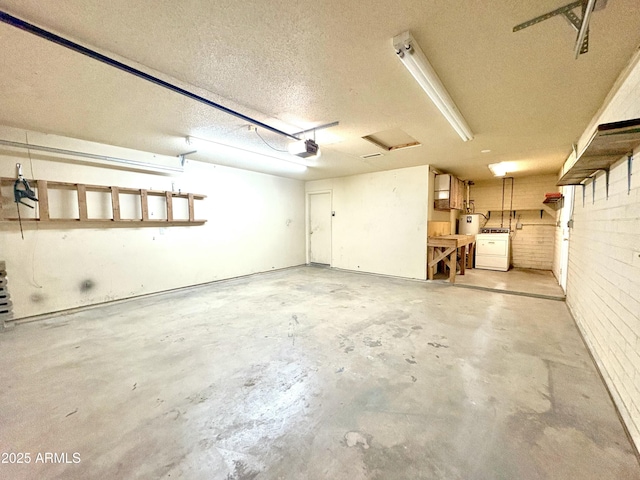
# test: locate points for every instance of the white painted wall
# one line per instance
(380, 224)
(604, 262)
(255, 223)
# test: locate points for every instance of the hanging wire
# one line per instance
(20, 220)
(267, 144)
(35, 244)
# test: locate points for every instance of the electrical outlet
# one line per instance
(518, 226)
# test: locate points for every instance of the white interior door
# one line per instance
(565, 215)
(320, 228)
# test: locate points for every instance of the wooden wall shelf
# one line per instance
(554, 202)
(609, 143)
(43, 211)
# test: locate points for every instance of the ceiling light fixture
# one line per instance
(498, 169)
(240, 155)
(416, 62)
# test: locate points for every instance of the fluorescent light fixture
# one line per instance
(151, 167)
(413, 58)
(499, 169)
(240, 155)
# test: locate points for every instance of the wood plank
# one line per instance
(144, 204)
(108, 222)
(191, 208)
(43, 200)
(82, 202)
(430, 255)
(436, 229)
(72, 186)
(453, 261)
(115, 204)
(97, 188)
(169, 198)
(448, 240)
(463, 258)
(609, 144)
(1, 207)
(439, 255)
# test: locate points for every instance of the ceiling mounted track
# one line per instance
(581, 25)
(52, 37)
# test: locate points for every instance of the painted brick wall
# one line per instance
(604, 283)
(533, 245)
(528, 193)
(604, 264)
(556, 267)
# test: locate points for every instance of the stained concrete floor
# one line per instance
(310, 373)
(516, 280)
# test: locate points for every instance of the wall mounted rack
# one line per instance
(42, 213)
(609, 143)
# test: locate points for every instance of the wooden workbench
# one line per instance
(439, 248)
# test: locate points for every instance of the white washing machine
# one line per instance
(493, 249)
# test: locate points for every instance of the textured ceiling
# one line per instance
(295, 65)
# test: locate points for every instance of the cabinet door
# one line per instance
(455, 193)
(449, 193)
(460, 196)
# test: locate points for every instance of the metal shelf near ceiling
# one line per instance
(609, 143)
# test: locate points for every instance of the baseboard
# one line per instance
(69, 311)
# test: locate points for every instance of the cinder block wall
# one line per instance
(603, 289)
(533, 245)
(604, 263)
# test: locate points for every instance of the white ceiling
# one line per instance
(296, 65)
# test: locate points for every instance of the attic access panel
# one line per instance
(391, 140)
(609, 143)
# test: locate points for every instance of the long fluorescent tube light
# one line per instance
(413, 58)
(153, 167)
(241, 155)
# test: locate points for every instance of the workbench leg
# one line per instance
(430, 256)
(453, 262)
(472, 247)
(463, 258)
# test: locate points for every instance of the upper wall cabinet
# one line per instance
(449, 193)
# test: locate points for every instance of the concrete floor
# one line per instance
(310, 373)
(516, 280)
